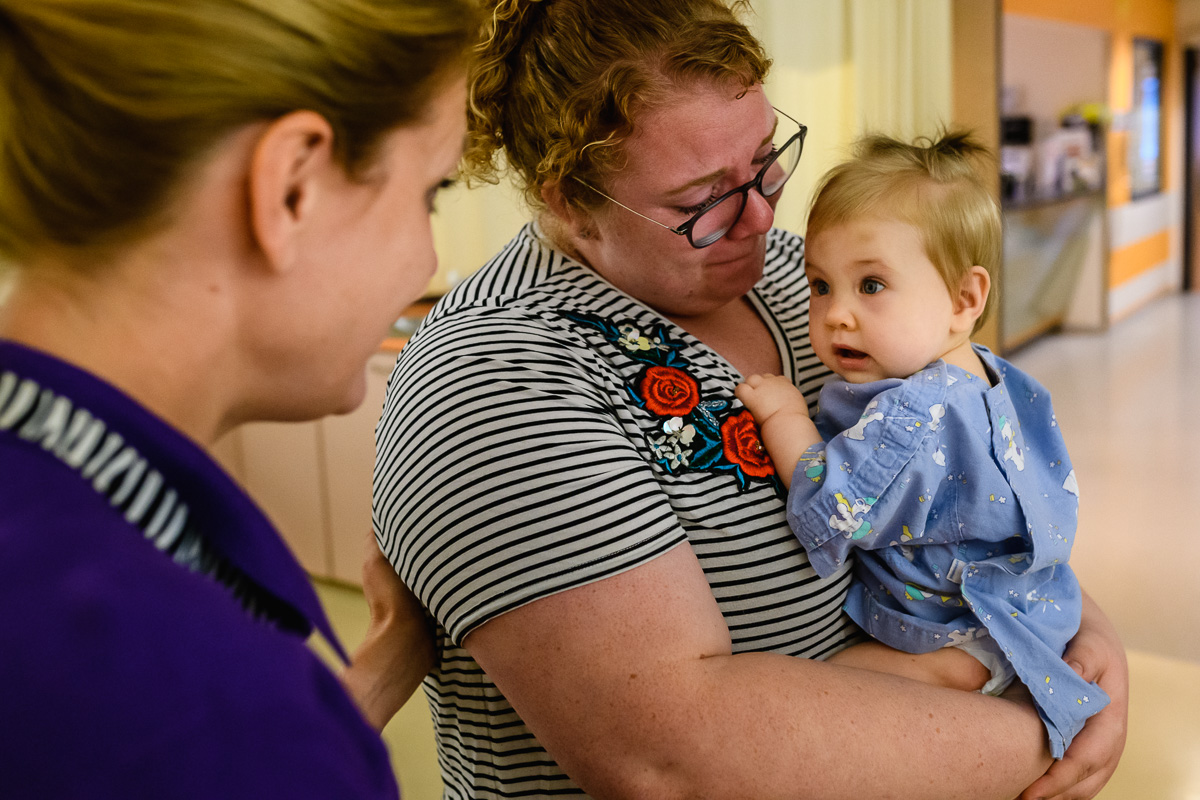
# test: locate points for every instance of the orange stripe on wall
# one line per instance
(1154, 18)
(1098, 13)
(1141, 256)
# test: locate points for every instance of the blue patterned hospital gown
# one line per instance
(960, 502)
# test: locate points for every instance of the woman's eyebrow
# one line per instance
(720, 173)
(711, 177)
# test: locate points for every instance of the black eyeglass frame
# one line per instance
(685, 229)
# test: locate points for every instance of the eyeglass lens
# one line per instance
(715, 221)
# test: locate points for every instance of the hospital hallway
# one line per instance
(1120, 397)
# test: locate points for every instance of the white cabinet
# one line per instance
(281, 468)
(349, 463)
(313, 479)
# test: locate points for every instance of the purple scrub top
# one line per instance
(152, 621)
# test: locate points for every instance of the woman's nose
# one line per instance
(757, 217)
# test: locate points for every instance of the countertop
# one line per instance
(404, 327)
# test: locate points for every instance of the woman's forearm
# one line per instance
(844, 733)
(630, 684)
(386, 669)
(398, 650)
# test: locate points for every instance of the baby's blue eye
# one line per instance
(820, 287)
(872, 286)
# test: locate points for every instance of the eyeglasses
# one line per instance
(718, 216)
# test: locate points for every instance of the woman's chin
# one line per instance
(355, 392)
(725, 283)
(330, 401)
(734, 271)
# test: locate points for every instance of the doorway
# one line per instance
(1191, 157)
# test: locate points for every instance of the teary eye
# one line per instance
(690, 211)
(765, 158)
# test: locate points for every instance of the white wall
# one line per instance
(1187, 21)
(1052, 66)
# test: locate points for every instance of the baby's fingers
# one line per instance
(756, 380)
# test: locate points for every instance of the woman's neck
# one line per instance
(554, 232)
(735, 331)
(144, 340)
(739, 335)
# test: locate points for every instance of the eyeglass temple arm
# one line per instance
(675, 231)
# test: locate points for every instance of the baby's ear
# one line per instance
(971, 299)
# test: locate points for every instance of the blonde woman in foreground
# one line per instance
(212, 210)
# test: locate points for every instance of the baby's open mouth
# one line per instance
(847, 352)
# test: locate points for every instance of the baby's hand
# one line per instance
(782, 416)
(767, 395)
(949, 667)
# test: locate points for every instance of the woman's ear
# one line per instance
(971, 299)
(575, 222)
(289, 160)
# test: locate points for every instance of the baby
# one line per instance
(938, 463)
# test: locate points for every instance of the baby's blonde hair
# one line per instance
(930, 184)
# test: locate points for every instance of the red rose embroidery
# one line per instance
(669, 392)
(739, 436)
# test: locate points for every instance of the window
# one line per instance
(1145, 119)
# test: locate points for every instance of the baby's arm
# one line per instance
(950, 667)
(781, 412)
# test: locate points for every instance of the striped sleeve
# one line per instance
(503, 474)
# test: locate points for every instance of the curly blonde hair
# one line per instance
(557, 84)
(931, 184)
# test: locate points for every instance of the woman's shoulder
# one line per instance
(175, 671)
(783, 267)
(529, 296)
(785, 250)
(527, 272)
(522, 264)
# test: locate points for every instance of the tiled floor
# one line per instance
(1120, 398)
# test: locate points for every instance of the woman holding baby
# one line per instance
(567, 481)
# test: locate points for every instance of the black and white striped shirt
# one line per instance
(543, 430)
